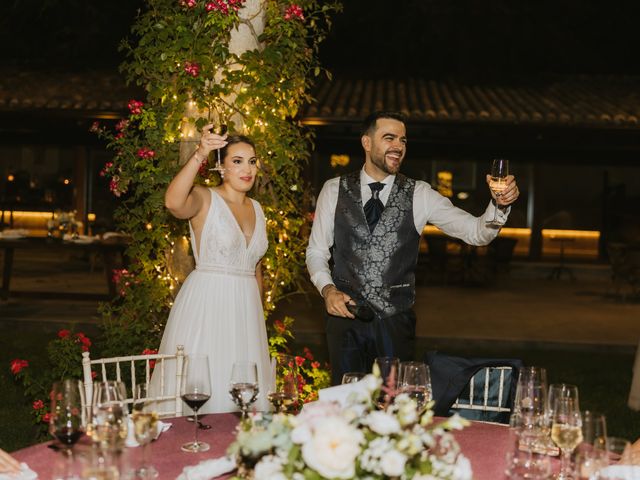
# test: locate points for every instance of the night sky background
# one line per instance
(464, 38)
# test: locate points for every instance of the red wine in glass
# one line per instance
(195, 400)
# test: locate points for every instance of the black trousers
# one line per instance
(354, 344)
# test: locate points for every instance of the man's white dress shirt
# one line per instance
(428, 206)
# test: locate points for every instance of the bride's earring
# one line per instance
(221, 171)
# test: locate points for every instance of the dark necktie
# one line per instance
(374, 207)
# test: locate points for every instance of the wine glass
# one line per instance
(389, 369)
(283, 393)
(530, 408)
(145, 424)
(498, 183)
(415, 381)
(352, 377)
(592, 452)
(566, 432)
(219, 129)
(66, 422)
(243, 387)
(196, 391)
(560, 390)
(109, 415)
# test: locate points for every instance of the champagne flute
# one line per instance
(283, 394)
(566, 432)
(145, 424)
(498, 183)
(196, 391)
(352, 377)
(530, 409)
(415, 381)
(243, 387)
(389, 368)
(219, 129)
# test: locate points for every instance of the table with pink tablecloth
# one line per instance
(485, 445)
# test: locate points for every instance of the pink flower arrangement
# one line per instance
(135, 107)
(294, 11)
(192, 68)
(17, 365)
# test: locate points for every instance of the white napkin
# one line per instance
(25, 474)
(340, 393)
(208, 469)
(621, 472)
(131, 437)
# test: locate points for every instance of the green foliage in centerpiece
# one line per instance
(329, 441)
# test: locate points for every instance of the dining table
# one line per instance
(484, 444)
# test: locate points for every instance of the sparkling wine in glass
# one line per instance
(145, 424)
(196, 391)
(415, 381)
(566, 432)
(498, 182)
(243, 387)
(219, 129)
(283, 394)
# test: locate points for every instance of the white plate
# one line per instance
(621, 472)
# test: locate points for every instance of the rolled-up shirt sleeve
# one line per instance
(432, 207)
(321, 239)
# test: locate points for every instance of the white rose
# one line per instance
(392, 463)
(269, 468)
(382, 423)
(462, 469)
(301, 434)
(333, 449)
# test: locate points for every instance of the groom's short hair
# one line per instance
(369, 123)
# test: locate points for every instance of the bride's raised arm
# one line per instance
(181, 198)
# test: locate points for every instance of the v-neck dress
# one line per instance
(218, 310)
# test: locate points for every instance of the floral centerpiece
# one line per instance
(355, 440)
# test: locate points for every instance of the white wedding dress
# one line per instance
(218, 310)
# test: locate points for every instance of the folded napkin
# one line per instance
(621, 472)
(341, 393)
(131, 438)
(25, 474)
(208, 469)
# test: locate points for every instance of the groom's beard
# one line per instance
(392, 166)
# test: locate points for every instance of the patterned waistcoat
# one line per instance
(378, 267)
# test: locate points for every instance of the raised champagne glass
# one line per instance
(498, 183)
(196, 391)
(219, 129)
(243, 387)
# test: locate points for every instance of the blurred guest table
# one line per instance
(111, 249)
(485, 444)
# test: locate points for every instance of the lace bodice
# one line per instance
(223, 246)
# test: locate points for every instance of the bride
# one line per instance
(218, 310)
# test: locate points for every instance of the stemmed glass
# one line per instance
(498, 183)
(566, 432)
(196, 391)
(145, 424)
(283, 393)
(389, 368)
(66, 422)
(243, 387)
(530, 409)
(592, 452)
(109, 415)
(415, 381)
(219, 129)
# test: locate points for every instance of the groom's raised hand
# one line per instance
(336, 301)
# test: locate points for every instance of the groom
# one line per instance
(369, 222)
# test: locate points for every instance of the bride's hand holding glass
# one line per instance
(214, 137)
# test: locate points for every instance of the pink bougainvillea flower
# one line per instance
(188, 3)
(17, 365)
(315, 364)
(46, 417)
(192, 68)
(145, 152)
(115, 187)
(217, 5)
(150, 351)
(293, 12)
(235, 4)
(307, 353)
(300, 361)
(135, 107)
(63, 333)
(122, 124)
(38, 404)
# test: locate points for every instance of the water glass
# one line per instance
(415, 381)
(527, 465)
(529, 410)
(389, 369)
(109, 415)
